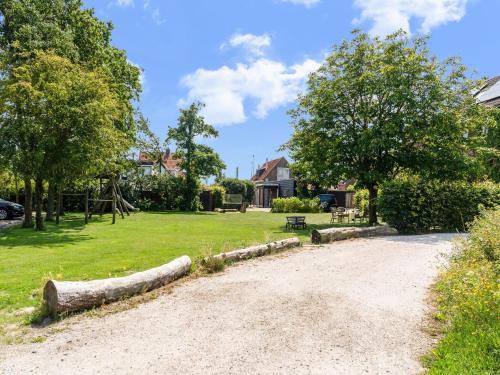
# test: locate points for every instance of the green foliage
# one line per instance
(154, 192)
(249, 196)
(234, 186)
(198, 161)
(213, 265)
(469, 302)
(361, 200)
(295, 204)
(379, 106)
(61, 80)
(218, 193)
(412, 204)
(237, 186)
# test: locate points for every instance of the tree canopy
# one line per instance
(67, 94)
(199, 161)
(381, 106)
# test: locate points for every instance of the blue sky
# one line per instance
(248, 59)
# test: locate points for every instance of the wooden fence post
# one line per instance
(114, 208)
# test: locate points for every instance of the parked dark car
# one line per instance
(327, 201)
(9, 210)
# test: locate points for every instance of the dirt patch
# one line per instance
(345, 308)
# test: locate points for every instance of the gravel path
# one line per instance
(5, 224)
(354, 307)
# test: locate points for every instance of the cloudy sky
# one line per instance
(248, 60)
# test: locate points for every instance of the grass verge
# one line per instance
(468, 298)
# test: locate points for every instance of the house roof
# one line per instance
(267, 168)
(490, 92)
(168, 162)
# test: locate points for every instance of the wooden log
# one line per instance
(64, 296)
(257, 251)
(338, 234)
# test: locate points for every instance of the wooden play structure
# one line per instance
(109, 199)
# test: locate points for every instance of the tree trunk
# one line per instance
(338, 234)
(50, 202)
(17, 189)
(373, 192)
(62, 296)
(60, 197)
(28, 209)
(256, 251)
(39, 204)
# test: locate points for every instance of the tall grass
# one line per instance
(469, 304)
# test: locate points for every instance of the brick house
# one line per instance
(167, 165)
(273, 180)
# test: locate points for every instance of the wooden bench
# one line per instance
(295, 222)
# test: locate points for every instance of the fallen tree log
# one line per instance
(256, 251)
(64, 296)
(338, 234)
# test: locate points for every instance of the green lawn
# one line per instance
(73, 251)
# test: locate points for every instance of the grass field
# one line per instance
(73, 251)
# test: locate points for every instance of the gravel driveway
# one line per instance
(354, 307)
(5, 224)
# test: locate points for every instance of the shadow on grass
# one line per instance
(67, 232)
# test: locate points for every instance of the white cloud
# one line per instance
(255, 44)
(391, 15)
(306, 3)
(125, 3)
(154, 12)
(270, 84)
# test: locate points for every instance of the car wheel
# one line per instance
(3, 214)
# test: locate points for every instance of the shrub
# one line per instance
(213, 265)
(361, 200)
(250, 194)
(236, 186)
(217, 192)
(468, 302)
(295, 204)
(154, 192)
(413, 204)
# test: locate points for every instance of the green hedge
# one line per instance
(413, 204)
(295, 204)
(236, 186)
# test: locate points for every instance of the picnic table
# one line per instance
(295, 222)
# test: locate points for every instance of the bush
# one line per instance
(361, 200)
(250, 194)
(154, 192)
(468, 302)
(295, 204)
(412, 204)
(236, 186)
(217, 192)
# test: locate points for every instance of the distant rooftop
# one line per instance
(490, 93)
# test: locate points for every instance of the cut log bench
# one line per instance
(338, 234)
(66, 296)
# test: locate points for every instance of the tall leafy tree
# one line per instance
(198, 161)
(58, 121)
(381, 106)
(64, 28)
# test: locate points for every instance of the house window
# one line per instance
(283, 174)
(148, 171)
